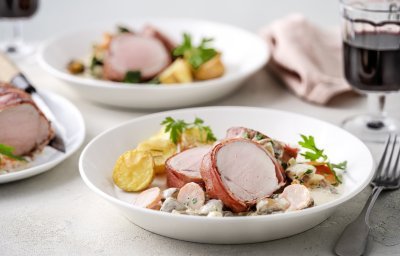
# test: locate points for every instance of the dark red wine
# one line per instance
(372, 61)
(17, 8)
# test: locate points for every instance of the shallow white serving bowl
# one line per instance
(98, 158)
(243, 54)
(71, 121)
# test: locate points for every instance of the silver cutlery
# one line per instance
(354, 238)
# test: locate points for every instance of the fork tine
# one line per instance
(387, 172)
(378, 172)
(396, 170)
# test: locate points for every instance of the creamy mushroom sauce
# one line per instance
(8, 165)
(325, 195)
(272, 205)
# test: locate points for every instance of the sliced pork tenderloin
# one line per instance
(23, 126)
(184, 167)
(240, 172)
(281, 150)
(152, 31)
(131, 52)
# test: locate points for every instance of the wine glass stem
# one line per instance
(376, 102)
(16, 37)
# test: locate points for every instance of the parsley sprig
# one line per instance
(195, 55)
(316, 154)
(132, 77)
(177, 127)
(8, 151)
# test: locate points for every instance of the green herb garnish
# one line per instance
(308, 171)
(177, 127)
(8, 151)
(194, 200)
(316, 154)
(122, 29)
(95, 62)
(132, 77)
(196, 56)
(199, 123)
(259, 136)
(341, 166)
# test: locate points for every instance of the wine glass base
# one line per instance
(369, 128)
(17, 51)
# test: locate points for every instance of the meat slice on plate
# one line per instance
(239, 172)
(184, 167)
(281, 150)
(23, 126)
(152, 31)
(131, 52)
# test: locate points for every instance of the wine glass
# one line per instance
(371, 53)
(15, 11)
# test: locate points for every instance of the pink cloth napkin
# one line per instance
(307, 58)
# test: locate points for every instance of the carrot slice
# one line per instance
(325, 171)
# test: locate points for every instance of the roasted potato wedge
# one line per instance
(160, 149)
(193, 137)
(178, 72)
(211, 69)
(134, 170)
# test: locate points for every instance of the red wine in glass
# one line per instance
(15, 10)
(371, 54)
(372, 61)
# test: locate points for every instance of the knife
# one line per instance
(11, 74)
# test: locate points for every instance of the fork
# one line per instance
(354, 238)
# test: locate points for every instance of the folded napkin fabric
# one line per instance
(307, 58)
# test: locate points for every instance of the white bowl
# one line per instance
(98, 158)
(71, 121)
(243, 54)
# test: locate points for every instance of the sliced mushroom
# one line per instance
(214, 214)
(170, 192)
(171, 204)
(213, 205)
(269, 205)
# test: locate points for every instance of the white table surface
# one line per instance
(56, 214)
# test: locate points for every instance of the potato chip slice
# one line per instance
(134, 170)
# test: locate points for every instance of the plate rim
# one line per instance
(35, 170)
(97, 83)
(304, 212)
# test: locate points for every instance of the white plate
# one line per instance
(243, 54)
(98, 158)
(74, 131)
